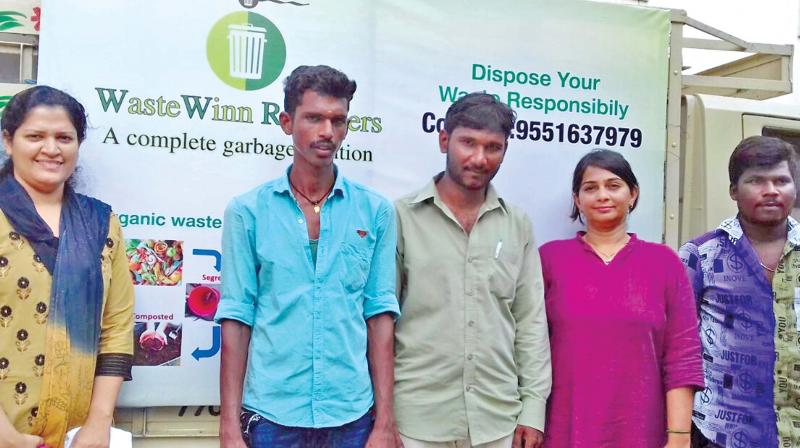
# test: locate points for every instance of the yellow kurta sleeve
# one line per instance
(115, 351)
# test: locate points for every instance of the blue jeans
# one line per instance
(261, 433)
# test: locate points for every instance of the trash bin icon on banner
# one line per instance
(246, 47)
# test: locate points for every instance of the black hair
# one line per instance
(322, 79)
(22, 103)
(607, 160)
(760, 152)
(480, 111)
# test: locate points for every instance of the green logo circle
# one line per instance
(246, 51)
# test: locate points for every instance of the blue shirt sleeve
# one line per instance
(379, 292)
(239, 266)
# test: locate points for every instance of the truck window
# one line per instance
(9, 67)
(789, 135)
(19, 61)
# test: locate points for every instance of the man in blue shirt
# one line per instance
(746, 278)
(308, 302)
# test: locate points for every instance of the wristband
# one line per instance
(675, 431)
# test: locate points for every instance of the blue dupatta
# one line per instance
(76, 299)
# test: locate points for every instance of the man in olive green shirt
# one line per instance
(472, 349)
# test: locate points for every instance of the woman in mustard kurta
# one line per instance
(66, 297)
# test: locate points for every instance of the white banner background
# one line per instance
(399, 53)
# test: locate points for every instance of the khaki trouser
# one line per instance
(505, 442)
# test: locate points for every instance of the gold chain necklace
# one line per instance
(768, 268)
(607, 258)
(313, 202)
(765, 266)
(758, 256)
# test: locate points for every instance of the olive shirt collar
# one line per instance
(431, 193)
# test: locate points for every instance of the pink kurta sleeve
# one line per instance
(682, 362)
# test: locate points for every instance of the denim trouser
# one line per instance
(259, 432)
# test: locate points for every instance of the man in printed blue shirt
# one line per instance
(746, 278)
(308, 296)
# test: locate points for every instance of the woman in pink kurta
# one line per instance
(623, 326)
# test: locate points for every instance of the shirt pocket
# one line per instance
(504, 265)
(356, 257)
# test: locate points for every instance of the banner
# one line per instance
(183, 100)
(20, 16)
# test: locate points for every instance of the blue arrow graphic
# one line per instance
(211, 253)
(216, 340)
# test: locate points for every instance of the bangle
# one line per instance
(676, 431)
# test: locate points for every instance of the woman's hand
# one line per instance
(96, 430)
(93, 434)
(11, 438)
(21, 441)
(679, 441)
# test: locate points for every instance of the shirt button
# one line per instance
(299, 220)
(469, 388)
(471, 323)
(469, 292)
(470, 356)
